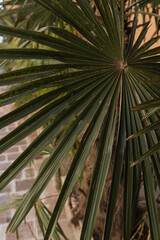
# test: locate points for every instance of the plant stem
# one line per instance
(122, 27)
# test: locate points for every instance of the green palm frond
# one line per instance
(97, 95)
(42, 214)
(154, 105)
(26, 14)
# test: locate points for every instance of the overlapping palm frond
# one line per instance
(42, 214)
(26, 14)
(104, 85)
(153, 106)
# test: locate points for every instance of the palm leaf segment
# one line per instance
(152, 106)
(27, 14)
(97, 96)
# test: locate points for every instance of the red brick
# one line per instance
(29, 173)
(12, 157)
(12, 150)
(22, 142)
(23, 185)
(2, 135)
(5, 199)
(5, 217)
(23, 147)
(31, 215)
(23, 232)
(4, 166)
(11, 128)
(4, 130)
(11, 236)
(39, 232)
(2, 157)
(7, 189)
(19, 176)
(38, 158)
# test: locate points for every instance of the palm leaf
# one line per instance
(97, 81)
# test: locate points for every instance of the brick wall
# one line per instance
(17, 187)
(20, 185)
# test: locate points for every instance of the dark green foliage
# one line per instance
(107, 80)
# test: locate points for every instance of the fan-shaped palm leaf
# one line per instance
(105, 83)
(154, 105)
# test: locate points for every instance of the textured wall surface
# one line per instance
(19, 186)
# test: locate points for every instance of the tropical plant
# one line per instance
(109, 64)
(42, 215)
(152, 106)
(26, 14)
